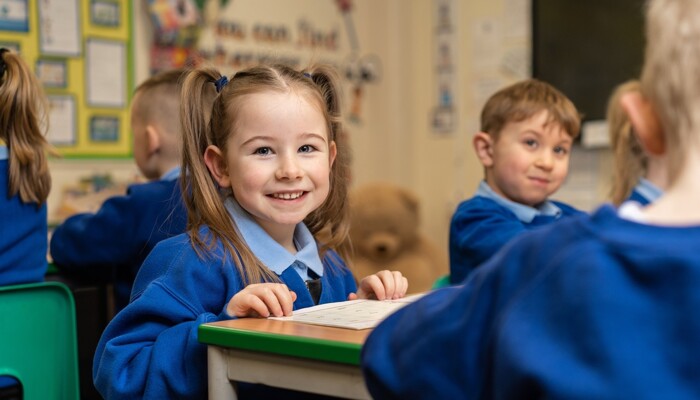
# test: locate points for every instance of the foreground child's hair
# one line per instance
(210, 118)
(671, 76)
(524, 99)
(23, 120)
(629, 157)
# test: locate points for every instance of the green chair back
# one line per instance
(38, 340)
(441, 282)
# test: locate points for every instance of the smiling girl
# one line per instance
(265, 174)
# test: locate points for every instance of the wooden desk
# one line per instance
(292, 355)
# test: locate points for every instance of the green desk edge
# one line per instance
(315, 349)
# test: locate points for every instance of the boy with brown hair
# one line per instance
(112, 243)
(597, 307)
(527, 131)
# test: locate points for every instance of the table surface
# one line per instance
(288, 338)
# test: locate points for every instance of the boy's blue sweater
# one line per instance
(110, 245)
(590, 308)
(480, 227)
(150, 349)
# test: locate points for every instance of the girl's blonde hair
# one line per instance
(210, 118)
(23, 121)
(629, 158)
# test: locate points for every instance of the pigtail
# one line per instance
(629, 158)
(204, 118)
(331, 220)
(23, 120)
(200, 192)
(198, 188)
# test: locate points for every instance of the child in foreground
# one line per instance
(636, 177)
(25, 181)
(111, 244)
(264, 174)
(527, 131)
(597, 307)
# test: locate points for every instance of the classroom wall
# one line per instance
(395, 141)
(67, 171)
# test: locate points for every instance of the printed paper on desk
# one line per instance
(352, 314)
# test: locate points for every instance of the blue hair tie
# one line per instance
(308, 75)
(220, 83)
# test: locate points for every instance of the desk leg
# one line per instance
(220, 387)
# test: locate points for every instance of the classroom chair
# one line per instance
(38, 340)
(441, 282)
(94, 308)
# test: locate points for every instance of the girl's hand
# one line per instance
(382, 285)
(262, 300)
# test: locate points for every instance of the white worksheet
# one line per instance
(352, 314)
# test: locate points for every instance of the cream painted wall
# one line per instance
(399, 144)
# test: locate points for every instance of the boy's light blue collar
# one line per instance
(171, 175)
(648, 190)
(3, 152)
(271, 253)
(524, 213)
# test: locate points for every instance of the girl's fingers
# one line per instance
(405, 286)
(286, 300)
(387, 279)
(373, 285)
(400, 285)
(390, 283)
(278, 299)
(255, 304)
(384, 285)
(264, 300)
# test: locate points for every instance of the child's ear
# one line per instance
(483, 146)
(152, 139)
(216, 164)
(333, 152)
(645, 122)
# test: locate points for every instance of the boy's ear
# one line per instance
(152, 139)
(645, 122)
(483, 146)
(216, 164)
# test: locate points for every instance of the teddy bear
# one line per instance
(384, 234)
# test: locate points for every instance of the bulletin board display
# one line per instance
(81, 52)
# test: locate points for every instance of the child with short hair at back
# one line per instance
(25, 181)
(527, 132)
(598, 307)
(636, 177)
(112, 243)
(265, 174)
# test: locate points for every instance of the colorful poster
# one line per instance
(59, 27)
(13, 15)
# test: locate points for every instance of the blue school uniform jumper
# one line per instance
(150, 349)
(111, 244)
(23, 233)
(483, 224)
(595, 307)
(645, 192)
